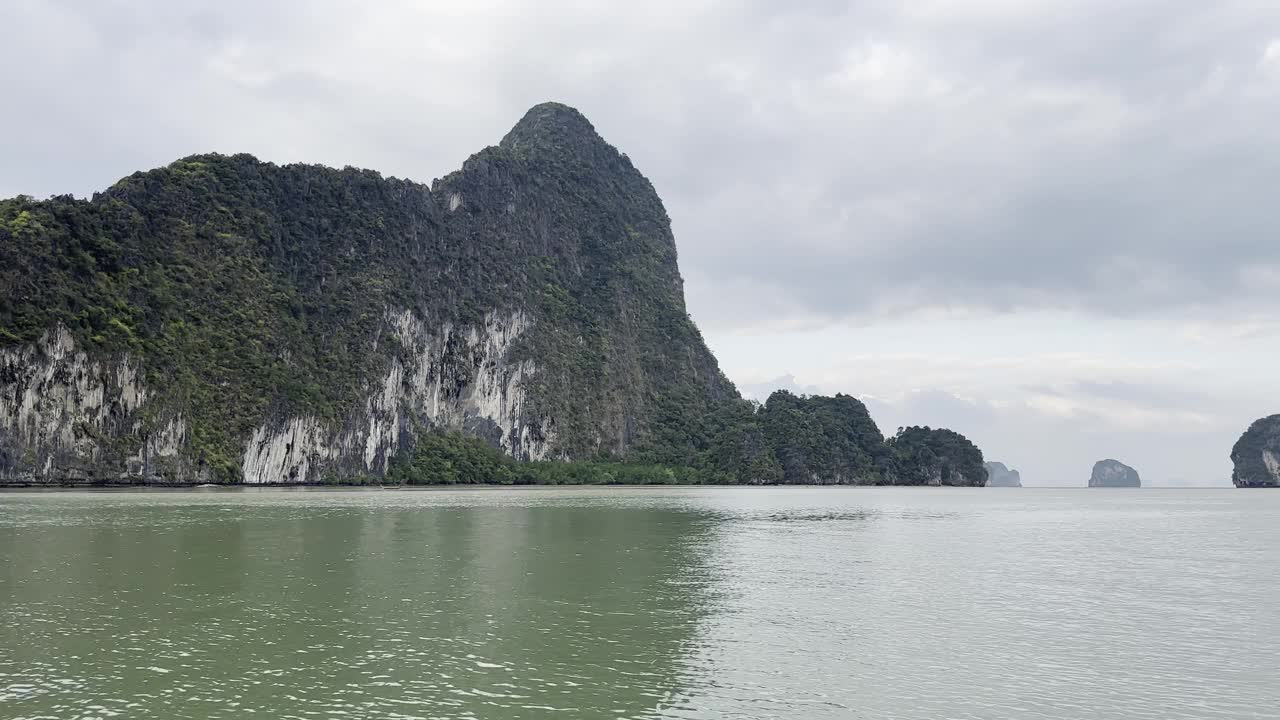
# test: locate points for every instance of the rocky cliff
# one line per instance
(232, 320)
(1113, 473)
(223, 319)
(1000, 476)
(1256, 455)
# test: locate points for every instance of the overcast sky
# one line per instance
(1049, 225)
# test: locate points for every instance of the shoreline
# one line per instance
(302, 487)
(415, 488)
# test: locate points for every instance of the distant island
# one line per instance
(1113, 473)
(521, 320)
(1000, 476)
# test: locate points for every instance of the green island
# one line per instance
(519, 321)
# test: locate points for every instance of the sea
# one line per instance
(671, 602)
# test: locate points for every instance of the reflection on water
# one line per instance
(154, 608)
(667, 603)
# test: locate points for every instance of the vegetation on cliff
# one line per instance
(248, 293)
(451, 458)
(248, 290)
(936, 456)
(790, 439)
(821, 439)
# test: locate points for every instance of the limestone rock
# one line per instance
(1000, 476)
(1113, 473)
(1256, 455)
(226, 319)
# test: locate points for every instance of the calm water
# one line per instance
(618, 603)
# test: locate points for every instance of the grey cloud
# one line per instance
(761, 391)
(826, 162)
(932, 407)
(1151, 395)
(1057, 451)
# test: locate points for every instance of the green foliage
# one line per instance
(790, 440)
(249, 292)
(821, 439)
(451, 458)
(441, 458)
(223, 276)
(926, 456)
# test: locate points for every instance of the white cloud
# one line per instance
(1271, 55)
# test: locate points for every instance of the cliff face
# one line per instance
(224, 319)
(464, 378)
(1113, 473)
(1256, 455)
(66, 417)
(998, 475)
(62, 414)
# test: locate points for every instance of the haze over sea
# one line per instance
(640, 603)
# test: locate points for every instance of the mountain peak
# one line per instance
(552, 125)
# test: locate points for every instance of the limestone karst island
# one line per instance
(521, 320)
(1113, 473)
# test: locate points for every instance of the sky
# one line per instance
(1048, 225)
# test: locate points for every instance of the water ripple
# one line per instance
(666, 603)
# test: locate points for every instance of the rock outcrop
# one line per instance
(819, 440)
(1256, 455)
(228, 320)
(936, 456)
(225, 319)
(1000, 476)
(64, 414)
(1113, 473)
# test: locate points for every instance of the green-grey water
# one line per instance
(638, 603)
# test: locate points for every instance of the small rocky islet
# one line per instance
(1256, 455)
(999, 475)
(1113, 473)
